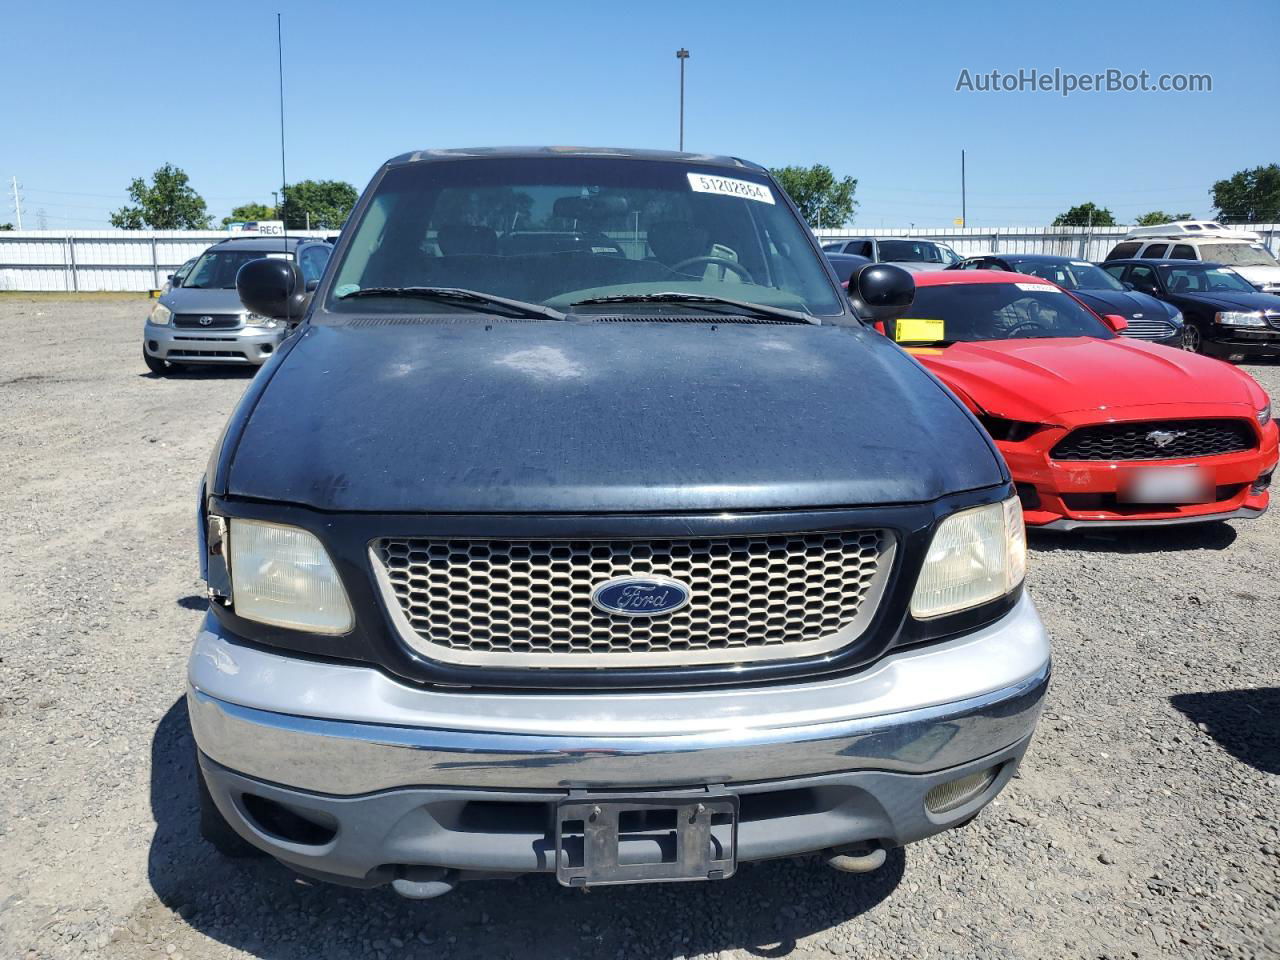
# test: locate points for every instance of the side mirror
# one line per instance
(169, 277)
(881, 291)
(1117, 323)
(273, 287)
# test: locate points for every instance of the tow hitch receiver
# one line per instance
(610, 839)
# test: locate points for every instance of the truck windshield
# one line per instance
(1239, 254)
(556, 231)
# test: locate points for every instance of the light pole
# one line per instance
(682, 55)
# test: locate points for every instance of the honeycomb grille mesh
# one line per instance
(1135, 441)
(529, 602)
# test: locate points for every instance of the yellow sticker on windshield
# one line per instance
(918, 330)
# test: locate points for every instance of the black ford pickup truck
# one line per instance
(582, 526)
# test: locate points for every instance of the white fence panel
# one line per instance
(141, 259)
(92, 260)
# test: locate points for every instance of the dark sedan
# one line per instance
(1149, 318)
(1225, 315)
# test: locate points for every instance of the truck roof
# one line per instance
(624, 153)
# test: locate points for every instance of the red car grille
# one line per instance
(1155, 440)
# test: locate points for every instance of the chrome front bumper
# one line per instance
(404, 778)
(345, 730)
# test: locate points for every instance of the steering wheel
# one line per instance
(733, 265)
(1013, 332)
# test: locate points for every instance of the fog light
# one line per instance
(956, 793)
(1261, 483)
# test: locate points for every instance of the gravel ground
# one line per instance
(1144, 823)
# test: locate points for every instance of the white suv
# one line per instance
(1241, 250)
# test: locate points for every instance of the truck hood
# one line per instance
(1033, 380)
(492, 416)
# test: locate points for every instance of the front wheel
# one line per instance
(155, 364)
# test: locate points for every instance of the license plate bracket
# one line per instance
(666, 838)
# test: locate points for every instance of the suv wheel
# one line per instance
(215, 829)
(155, 364)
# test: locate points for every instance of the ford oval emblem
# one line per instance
(640, 596)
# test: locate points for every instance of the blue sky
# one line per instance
(97, 93)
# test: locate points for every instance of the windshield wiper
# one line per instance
(468, 298)
(759, 309)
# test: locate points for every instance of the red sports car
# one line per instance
(1098, 430)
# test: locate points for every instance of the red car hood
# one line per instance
(1035, 379)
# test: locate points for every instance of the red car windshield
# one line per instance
(975, 312)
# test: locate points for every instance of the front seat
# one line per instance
(674, 241)
(465, 239)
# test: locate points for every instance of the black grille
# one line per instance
(217, 321)
(1155, 440)
(1273, 318)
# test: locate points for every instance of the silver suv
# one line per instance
(199, 319)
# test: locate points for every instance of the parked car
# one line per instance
(1148, 318)
(1098, 430)
(176, 278)
(909, 253)
(599, 565)
(846, 265)
(200, 319)
(1225, 316)
(1207, 241)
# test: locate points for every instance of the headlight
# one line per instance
(160, 315)
(1240, 318)
(977, 555)
(258, 320)
(283, 576)
(1264, 414)
(1178, 320)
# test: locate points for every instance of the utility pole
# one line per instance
(284, 179)
(964, 213)
(682, 55)
(17, 202)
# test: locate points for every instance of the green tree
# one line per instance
(168, 203)
(6, 226)
(1249, 196)
(247, 212)
(328, 202)
(822, 200)
(1085, 215)
(1157, 217)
